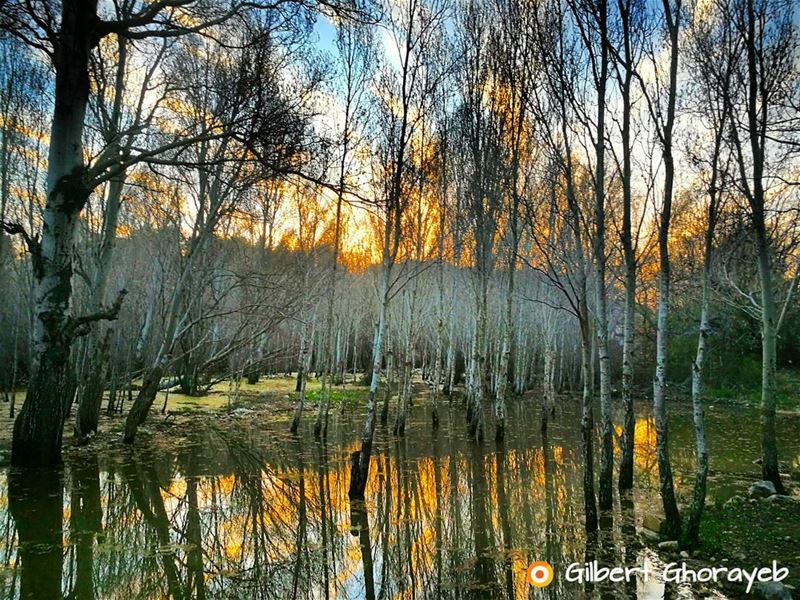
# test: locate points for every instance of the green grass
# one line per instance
(347, 396)
(787, 396)
(753, 534)
(269, 389)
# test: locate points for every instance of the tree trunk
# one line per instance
(478, 383)
(144, 400)
(405, 392)
(505, 353)
(88, 414)
(502, 384)
(757, 107)
(629, 418)
(437, 373)
(39, 426)
(93, 376)
(671, 513)
(302, 375)
(587, 424)
(387, 393)
(321, 425)
(769, 444)
(691, 534)
(440, 333)
(358, 482)
(450, 370)
(14, 370)
(628, 248)
(606, 499)
(548, 387)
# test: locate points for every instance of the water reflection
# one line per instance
(250, 515)
(85, 523)
(38, 528)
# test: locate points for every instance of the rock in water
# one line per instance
(652, 523)
(762, 489)
(669, 546)
(772, 590)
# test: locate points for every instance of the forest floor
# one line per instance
(787, 392)
(751, 533)
(223, 397)
(171, 410)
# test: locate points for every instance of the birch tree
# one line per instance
(661, 102)
(518, 68)
(763, 127)
(356, 56)
(591, 19)
(412, 23)
(629, 21)
(567, 250)
(709, 46)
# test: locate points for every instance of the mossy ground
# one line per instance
(752, 533)
(787, 386)
(275, 395)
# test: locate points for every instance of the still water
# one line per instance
(246, 511)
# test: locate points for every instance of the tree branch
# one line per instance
(31, 243)
(79, 326)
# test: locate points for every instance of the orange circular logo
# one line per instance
(539, 574)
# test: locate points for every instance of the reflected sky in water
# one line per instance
(250, 512)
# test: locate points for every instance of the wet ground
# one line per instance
(237, 508)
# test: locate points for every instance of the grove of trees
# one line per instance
(590, 196)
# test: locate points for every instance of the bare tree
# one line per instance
(630, 21)
(222, 173)
(69, 38)
(760, 103)
(567, 250)
(592, 21)
(119, 127)
(412, 24)
(517, 68)
(661, 103)
(709, 47)
(356, 53)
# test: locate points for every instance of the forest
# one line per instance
(371, 298)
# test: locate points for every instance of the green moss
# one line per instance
(347, 396)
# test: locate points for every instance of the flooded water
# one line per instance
(264, 515)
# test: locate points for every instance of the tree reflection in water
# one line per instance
(39, 532)
(256, 515)
(85, 523)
